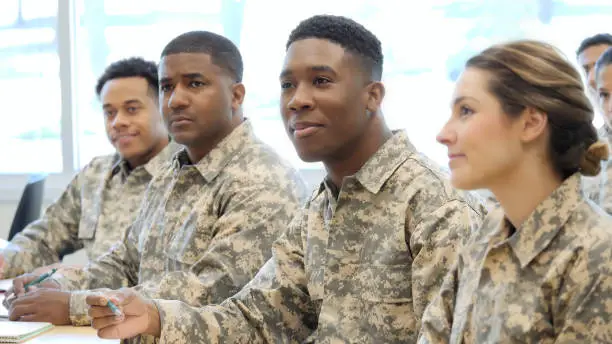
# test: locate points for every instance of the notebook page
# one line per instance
(16, 332)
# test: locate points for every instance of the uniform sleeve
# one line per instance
(438, 315)
(116, 269)
(42, 241)
(436, 236)
(274, 307)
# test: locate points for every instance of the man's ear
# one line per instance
(238, 93)
(375, 93)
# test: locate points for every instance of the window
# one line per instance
(425, 45)
(109, 30)
(30, 139)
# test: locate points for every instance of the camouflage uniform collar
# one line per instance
(213, 163)
(381, 166)
(152, 167)
(544, 223)
(120, 165)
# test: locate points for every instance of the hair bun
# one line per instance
(591, 161)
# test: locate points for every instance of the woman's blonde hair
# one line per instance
(532, 74)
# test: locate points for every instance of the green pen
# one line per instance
(40, 279)
(114, 308)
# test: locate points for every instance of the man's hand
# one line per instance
(139, 316)
(19, 282)
(46, 305)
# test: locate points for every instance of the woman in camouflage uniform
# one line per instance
(539, 269)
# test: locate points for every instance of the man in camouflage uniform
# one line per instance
(102, 199)
(361, 260)
(209, 219)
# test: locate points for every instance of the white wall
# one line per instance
(7, 210)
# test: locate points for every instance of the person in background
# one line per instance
(598, 188)
(539, 270)
(603, 78)
(588, 52)
(103, 198)
(361, 260)
(209, 218)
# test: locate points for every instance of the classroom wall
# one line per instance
(7, 209)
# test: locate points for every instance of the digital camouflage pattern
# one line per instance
(549, 282)
(599, 188)
(204, 230)
(357, 265)
(92, 213)
(488, 199)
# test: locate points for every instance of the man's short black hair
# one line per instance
(598, 39)
(222, 51)
(347, 33)
(130, 67)
(604, 60)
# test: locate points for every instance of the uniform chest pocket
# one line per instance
(386, 294)
(385, 283)
(188, 243)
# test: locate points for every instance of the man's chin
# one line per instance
(132, 154)
(182, 138)
(310, 156)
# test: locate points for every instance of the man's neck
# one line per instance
(198, 151)
(143, 159)
(357, 154)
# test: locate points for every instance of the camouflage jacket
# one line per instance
(92, 213)
(358, 265)
(549, 282)
(204, 229)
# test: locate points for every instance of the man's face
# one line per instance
(324, 95)
(587, 60)
(133, 122)
(197, 98)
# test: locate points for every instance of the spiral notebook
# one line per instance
(18, 332)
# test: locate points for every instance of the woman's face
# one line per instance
(483, 142)
(604, 87)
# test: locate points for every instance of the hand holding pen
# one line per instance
(24, 283)
(39, 280)
(138, 315)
